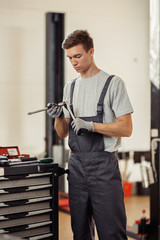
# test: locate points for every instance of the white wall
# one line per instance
(121, 34)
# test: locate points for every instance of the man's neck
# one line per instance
(90, 72)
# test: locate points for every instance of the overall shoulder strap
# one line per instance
(72, 90)
(103, 93)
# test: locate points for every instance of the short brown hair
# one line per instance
(78, 37)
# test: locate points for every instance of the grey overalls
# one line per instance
(95, 188)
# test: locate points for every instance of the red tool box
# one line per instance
(11, 152)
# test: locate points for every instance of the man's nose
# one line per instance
(74, 62)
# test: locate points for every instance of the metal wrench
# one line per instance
(46, 108)
(81, 131)
(69, 110)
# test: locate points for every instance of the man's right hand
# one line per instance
(54, 110)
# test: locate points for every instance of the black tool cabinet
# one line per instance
(29, 201)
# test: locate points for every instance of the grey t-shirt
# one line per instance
(85, 98)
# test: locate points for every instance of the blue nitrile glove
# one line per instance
(80, 126)
(54, 110)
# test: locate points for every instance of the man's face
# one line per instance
(80, 60)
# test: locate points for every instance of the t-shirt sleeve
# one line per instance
(120, 101)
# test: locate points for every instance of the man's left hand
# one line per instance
(79, 123)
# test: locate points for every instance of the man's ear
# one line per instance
(91, 51)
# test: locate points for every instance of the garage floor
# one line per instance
(134, 206)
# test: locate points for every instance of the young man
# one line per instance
(101, 106)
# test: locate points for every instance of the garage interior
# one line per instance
(34, 70)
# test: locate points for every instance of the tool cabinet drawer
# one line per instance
(29, 201)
